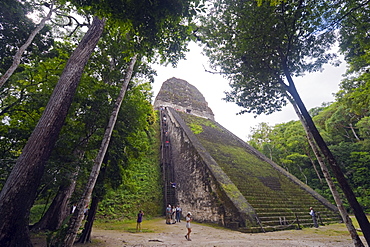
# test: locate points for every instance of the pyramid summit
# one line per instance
(182, 96)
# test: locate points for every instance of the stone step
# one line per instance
(288, 208)
(262, 198)
(278, 219)
(291, 210)
(279, 197)
(292, 220)
(258, 229)
(279, 225)
(303, 204)
(295, 214)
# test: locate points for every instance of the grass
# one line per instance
(356, 225)
(148, 225)
(335, 229)
(329, 230)
(154, 225)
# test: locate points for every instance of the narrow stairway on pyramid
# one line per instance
(220, 178)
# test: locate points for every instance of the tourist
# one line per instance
(313, 215)
(139, 220)
(173, 215)
(178, 213)
(188, 220)
(168, 214)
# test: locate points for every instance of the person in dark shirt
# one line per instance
(139, 220)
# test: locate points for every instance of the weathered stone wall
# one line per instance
(281, 170)
(202, 187)
(182, 96)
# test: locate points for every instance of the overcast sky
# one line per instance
(314, 89)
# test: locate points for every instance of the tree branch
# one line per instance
(18, 55)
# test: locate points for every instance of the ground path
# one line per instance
(157, 233)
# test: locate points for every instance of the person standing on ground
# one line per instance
(168, 214)
(313, 215)
(188, 220)
(139, 220)
(173, 215)
(178, 213)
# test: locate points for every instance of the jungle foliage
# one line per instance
(262, 46)
(344, 124)
(346, 130)
(55, 107)
(157, 29)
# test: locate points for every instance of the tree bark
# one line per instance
(98, 196)
(86, 232)
(19, 191)
(18, 55)
(356, 207)
(343, 212)
(59, 208)
(314, 166)
(354, 132)
(77, 218)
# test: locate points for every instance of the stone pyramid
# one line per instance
(220, 178)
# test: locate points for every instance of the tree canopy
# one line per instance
(262, 47)
(15, 28)
(254, 46)
(148, 28)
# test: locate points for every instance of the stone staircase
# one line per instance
(166, 163)
(279, 201)
(289, 209)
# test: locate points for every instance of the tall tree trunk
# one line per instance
(343, 212)
(354, 132)
(76, 220)
(18, 55)
(86, 232)
(270, 151)
(98, 195)
(59, 208)
(305, 177)
(19, 191)
(314, 166)
(356, 207)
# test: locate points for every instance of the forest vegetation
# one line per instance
(66, 65)
(262, 46)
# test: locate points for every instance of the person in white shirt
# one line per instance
(188, 220)
(313, 215)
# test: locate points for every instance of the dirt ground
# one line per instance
(157, 233)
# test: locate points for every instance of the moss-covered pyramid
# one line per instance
(222, 179)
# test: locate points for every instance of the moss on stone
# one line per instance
(231, 189)
(196, 128)
(259, 182)
(191, 119)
